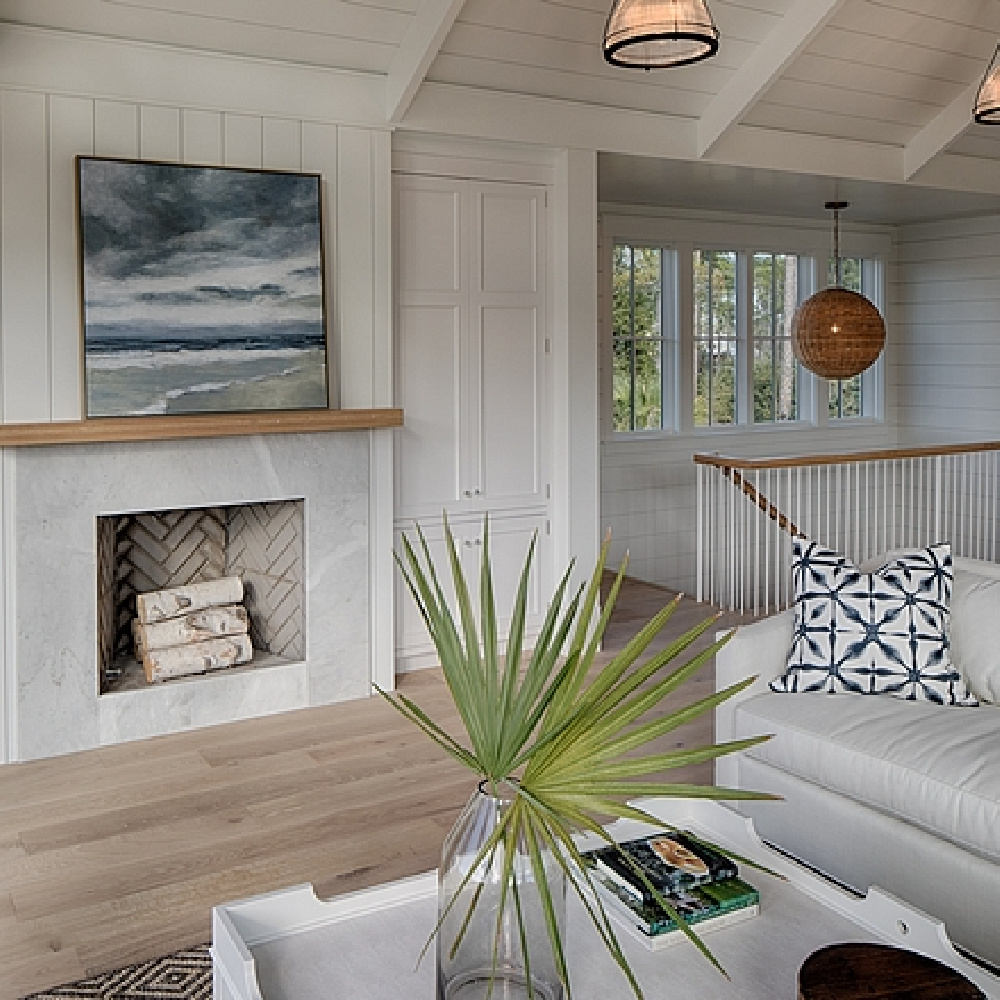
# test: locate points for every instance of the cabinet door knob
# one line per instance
(478, 492)
(468, 493)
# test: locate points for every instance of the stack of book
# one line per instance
(699, 882)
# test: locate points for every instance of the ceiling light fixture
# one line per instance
(652, 34)
(837, 333)
(987, 109)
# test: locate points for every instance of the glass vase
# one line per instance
(488, 962)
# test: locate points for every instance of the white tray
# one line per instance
(289, 945)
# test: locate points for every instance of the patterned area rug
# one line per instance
(185, 975)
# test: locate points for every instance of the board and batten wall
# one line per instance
(946, 294)
(648, 485)
(63, 95)
(40, 136)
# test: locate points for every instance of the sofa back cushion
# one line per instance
(975, 626)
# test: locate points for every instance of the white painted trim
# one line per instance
(576, 480)
(8, 609)
(940, 132)
(62, 62)
(382, 568)
(793, 32)
(802, 236)
(413, 58)
(471, 159)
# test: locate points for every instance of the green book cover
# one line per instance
(694, 904)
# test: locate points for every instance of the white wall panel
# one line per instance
(282, 144)
(319, 155)
(71, 134)
(355, 276)
(160, 133)
(24, 305)
(201, 136)
(116, 129)
(243, 141)
(947, 293)
(41, 337)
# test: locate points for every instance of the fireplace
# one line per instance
(142, 551)
(68, 510)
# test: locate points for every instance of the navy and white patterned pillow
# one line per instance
(873, 633)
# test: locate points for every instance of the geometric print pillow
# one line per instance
(873, 633)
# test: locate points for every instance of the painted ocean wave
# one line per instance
(191, 381)
(199, 357)
(162, 406)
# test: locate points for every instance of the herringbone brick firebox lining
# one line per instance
(153, 550)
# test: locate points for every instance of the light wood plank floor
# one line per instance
(117, 855)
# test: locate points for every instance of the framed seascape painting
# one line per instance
(203, 289)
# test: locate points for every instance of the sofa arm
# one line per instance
(762, 649)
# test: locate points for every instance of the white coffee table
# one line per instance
(289, 945)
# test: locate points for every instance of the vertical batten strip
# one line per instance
(24, 258)
(71, 133)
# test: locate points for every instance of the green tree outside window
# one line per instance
(715, 337)
(846, 399)
(775, 371)
(637, 335)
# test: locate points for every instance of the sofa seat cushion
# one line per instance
(934, 767)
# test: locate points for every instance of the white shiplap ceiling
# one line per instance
(875, 91)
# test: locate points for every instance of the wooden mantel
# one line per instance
(114, 429)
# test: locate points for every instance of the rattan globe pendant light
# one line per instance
(987, 109)
(837, 333)
(652, 34)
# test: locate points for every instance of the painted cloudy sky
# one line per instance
(176, 252)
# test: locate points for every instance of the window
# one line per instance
(775, 370)
(715, 337)
(698, 330)
(847, 394)
(638, 342)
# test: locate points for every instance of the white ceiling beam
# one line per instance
(939, 133)
(413, 58)
(766, 63)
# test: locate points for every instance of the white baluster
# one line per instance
(699, 528)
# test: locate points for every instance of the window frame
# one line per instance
(680, 233)
(668, 326)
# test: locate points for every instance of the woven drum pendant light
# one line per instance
(837, 333)
(987, 109)
(652, 34)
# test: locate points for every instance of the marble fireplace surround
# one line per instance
(52, 498)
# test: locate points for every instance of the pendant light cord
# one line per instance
(835, 207)
(836, 246)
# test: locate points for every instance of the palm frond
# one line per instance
(570, 740)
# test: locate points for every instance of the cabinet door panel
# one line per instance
(430, 236)
(509, 541)
(509, 252)
(429, 388)
(510, 399)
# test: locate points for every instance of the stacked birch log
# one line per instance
(191, 629)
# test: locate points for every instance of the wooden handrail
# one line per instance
(726, 462)
(762, 502)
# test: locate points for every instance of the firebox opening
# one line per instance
(142, 551)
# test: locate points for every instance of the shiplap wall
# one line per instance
(648, 488)
(946, 294)
(40, 136)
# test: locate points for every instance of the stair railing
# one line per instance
(863, 504)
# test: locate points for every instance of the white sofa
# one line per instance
(879, 791)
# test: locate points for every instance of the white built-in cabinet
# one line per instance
(471, 337)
